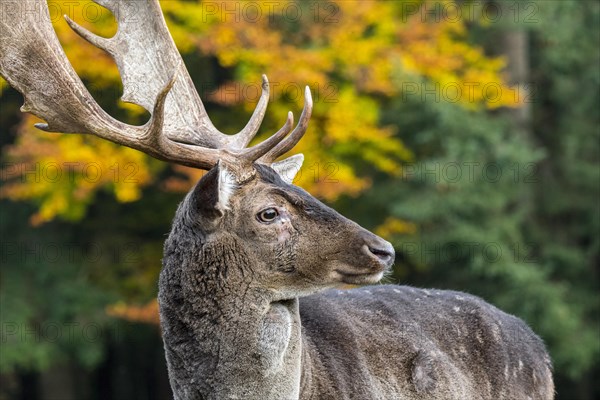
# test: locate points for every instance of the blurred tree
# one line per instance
(566, 219)
(505, 205)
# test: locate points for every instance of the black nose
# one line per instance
(384, 255)
(376, 247)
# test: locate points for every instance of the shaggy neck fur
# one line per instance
(224, 339)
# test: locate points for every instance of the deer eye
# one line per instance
(267, 215)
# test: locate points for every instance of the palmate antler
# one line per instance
(180, 131)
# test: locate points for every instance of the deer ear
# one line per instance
(288, 168)
(213, 192)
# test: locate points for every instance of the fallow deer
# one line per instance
(247, 304)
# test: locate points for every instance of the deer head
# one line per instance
(245, 193)
(297, 245)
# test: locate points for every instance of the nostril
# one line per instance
(383, 254)
(378, 249)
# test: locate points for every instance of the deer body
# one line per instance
(235, 329)
(398, 342)
(245, 295)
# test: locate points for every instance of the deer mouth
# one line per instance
(362, 278)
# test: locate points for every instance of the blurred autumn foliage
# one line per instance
(147, 313)
(352, 54)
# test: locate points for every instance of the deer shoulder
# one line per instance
(403, 342)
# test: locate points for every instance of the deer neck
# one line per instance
(224, 338)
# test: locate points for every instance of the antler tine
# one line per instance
(289, 142)
(169, 150)
(254, 153)
(247, 134)
(154, 133)
(98, 41)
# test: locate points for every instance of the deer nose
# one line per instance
(384, 255)
(381, 249)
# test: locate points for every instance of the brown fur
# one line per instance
(246, 313)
